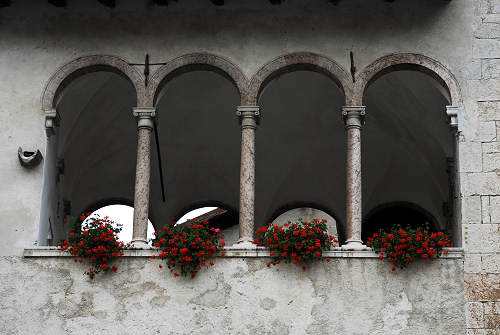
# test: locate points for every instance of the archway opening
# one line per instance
(408, 153)
(122, 215)
(92, 155)
(199, 145)
(300, 144)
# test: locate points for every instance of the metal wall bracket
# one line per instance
(29, 159)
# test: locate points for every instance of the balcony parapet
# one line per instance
(229, 252)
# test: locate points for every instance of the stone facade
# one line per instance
(458, 41)
(480, 175)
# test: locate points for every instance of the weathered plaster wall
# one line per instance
(237, 296)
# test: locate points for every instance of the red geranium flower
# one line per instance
(295, 242)
(409, 244)
(95, 240)
(188, 246)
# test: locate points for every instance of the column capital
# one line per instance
(249, 116)
(144, 116)
(354, 116)
(52, 120)
(452, 112)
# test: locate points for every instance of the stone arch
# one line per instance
(86, 64)
(407, 61)
(295, 62)
(193, 62)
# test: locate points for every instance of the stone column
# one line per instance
(354, 119)
(249, 117)
(48, 209)
(145, 121)
(452, 112)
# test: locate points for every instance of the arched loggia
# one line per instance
(91, 153)
(197, 140)
(409, 148)
(301, 142)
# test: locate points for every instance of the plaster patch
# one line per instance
(395, 315)
(214, 297)
(267, 303)
(159, 301)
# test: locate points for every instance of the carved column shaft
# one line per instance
(354, 120)
(453, 114)
(48, 210)
(144, 118)
(249, 118)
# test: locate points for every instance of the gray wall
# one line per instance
(236, 296)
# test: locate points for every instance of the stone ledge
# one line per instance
(230, 252)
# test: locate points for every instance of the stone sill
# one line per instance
(230, 252)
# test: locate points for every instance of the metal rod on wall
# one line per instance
(159, 161)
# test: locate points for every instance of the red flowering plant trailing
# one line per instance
(96, 240)
(300, 242)
(403, 246)
(188, 247)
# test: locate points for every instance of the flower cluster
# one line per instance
(94, 239)
(300, 242)
(403, 246)
(188, 247)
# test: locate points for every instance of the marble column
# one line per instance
(354, 119)
(249, 117)
(145, 119)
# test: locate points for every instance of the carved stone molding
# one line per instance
(191, 62)
(249, 116)
(52, 120)
(298, 61)
(354, 116)
(407, 61)
(86, 64)
(145, 116)
(452, 112)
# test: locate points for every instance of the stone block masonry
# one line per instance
(481, 180)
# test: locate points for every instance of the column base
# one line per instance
(243, 245)
(355, 245)
(141, 244)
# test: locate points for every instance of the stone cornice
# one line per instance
(229, 252)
